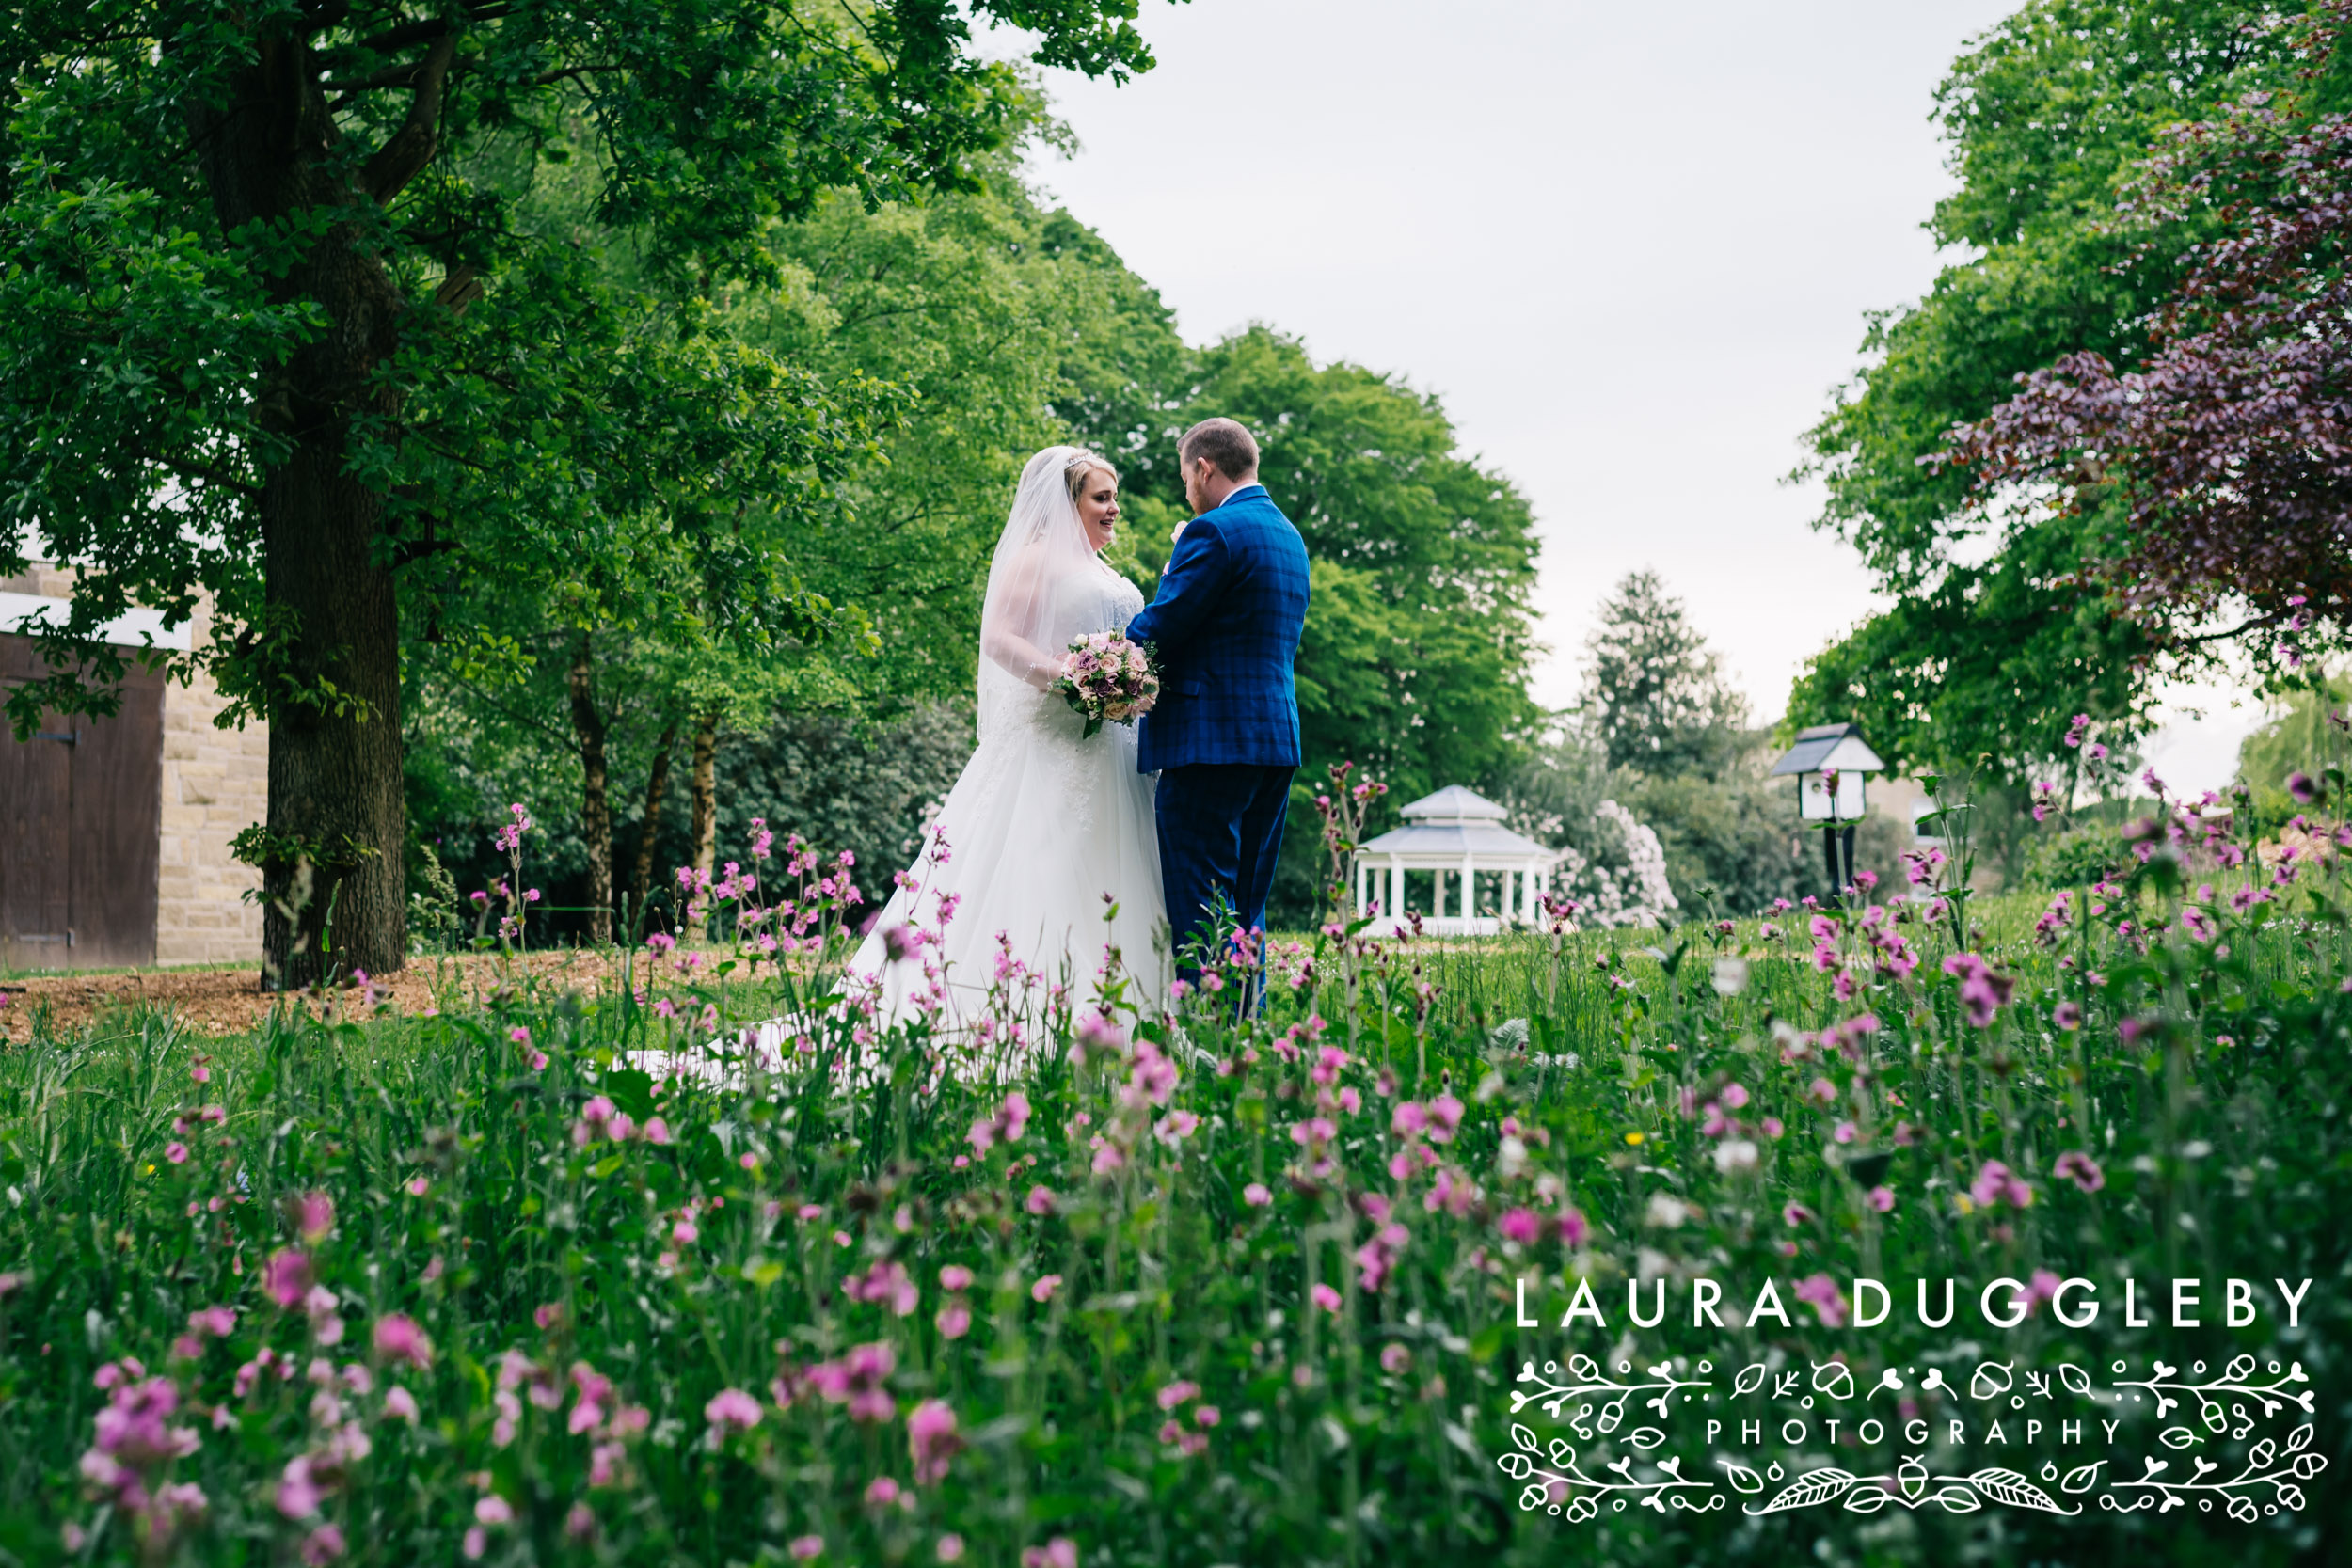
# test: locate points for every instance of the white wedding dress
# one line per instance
(1045, 851)
(1044, 858)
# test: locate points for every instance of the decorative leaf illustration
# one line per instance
(2300, 1438)
(1525, 1438)
(1742, 1478)
(2008, 1486)
(1646, 1439)
(1868, 1498)
(2178, 1437)
(2073, 1377)
(1751, 1378)
(1814, 1486)
(1672, 1465)
(1958, 1500)
(2082, 1479)
(1991, 1381)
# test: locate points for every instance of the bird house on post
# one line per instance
(1832, 764)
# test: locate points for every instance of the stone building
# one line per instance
(115, 831)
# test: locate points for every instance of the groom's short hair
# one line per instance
(1224, 443)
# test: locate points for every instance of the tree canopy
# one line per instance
(2217, 469)
(283, 322)
(1997, 631)
(986, 314)
(1654, 693)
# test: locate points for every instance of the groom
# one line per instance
(1224, 735)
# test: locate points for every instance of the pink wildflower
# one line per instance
(732, 1409)
(931, 1440)
(2081, 1169)
(287, 1278)
(313, 1216)
(1995, 1183)
(1829, 1303)
(399, 1339)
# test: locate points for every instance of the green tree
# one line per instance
(1008, 326)
(1990, 635)
(988, 315)
(2308, 732)
(1654, 693)
(272, 327)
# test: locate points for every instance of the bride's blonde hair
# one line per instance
(1076, 469)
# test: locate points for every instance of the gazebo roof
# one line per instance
(1454, 803)
(1454, 823)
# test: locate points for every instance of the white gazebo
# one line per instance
(1454, 831)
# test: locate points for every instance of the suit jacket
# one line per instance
(1225, 630)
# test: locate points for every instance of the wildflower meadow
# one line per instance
(1801, 1238)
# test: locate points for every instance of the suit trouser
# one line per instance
(1220, 828)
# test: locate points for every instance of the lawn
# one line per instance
(1355, 1282)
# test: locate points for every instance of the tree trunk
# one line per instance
(334, 777)
(657, 788)
(705, 797)
(324, 659)
(595, 806)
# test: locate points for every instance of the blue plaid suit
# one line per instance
(1224, 735)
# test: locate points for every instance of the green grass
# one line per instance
(1372, 1428)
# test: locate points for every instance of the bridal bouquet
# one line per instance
(1107, 678)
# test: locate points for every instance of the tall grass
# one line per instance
(1188, 1290)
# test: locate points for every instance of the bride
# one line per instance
(1046, 828)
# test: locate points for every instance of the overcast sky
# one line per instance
(1630, 247)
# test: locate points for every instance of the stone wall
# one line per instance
(215, 783)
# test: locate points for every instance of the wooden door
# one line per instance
(81, 818)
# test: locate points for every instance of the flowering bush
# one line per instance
(1623, 881)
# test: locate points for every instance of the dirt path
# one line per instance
(230, 1001)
